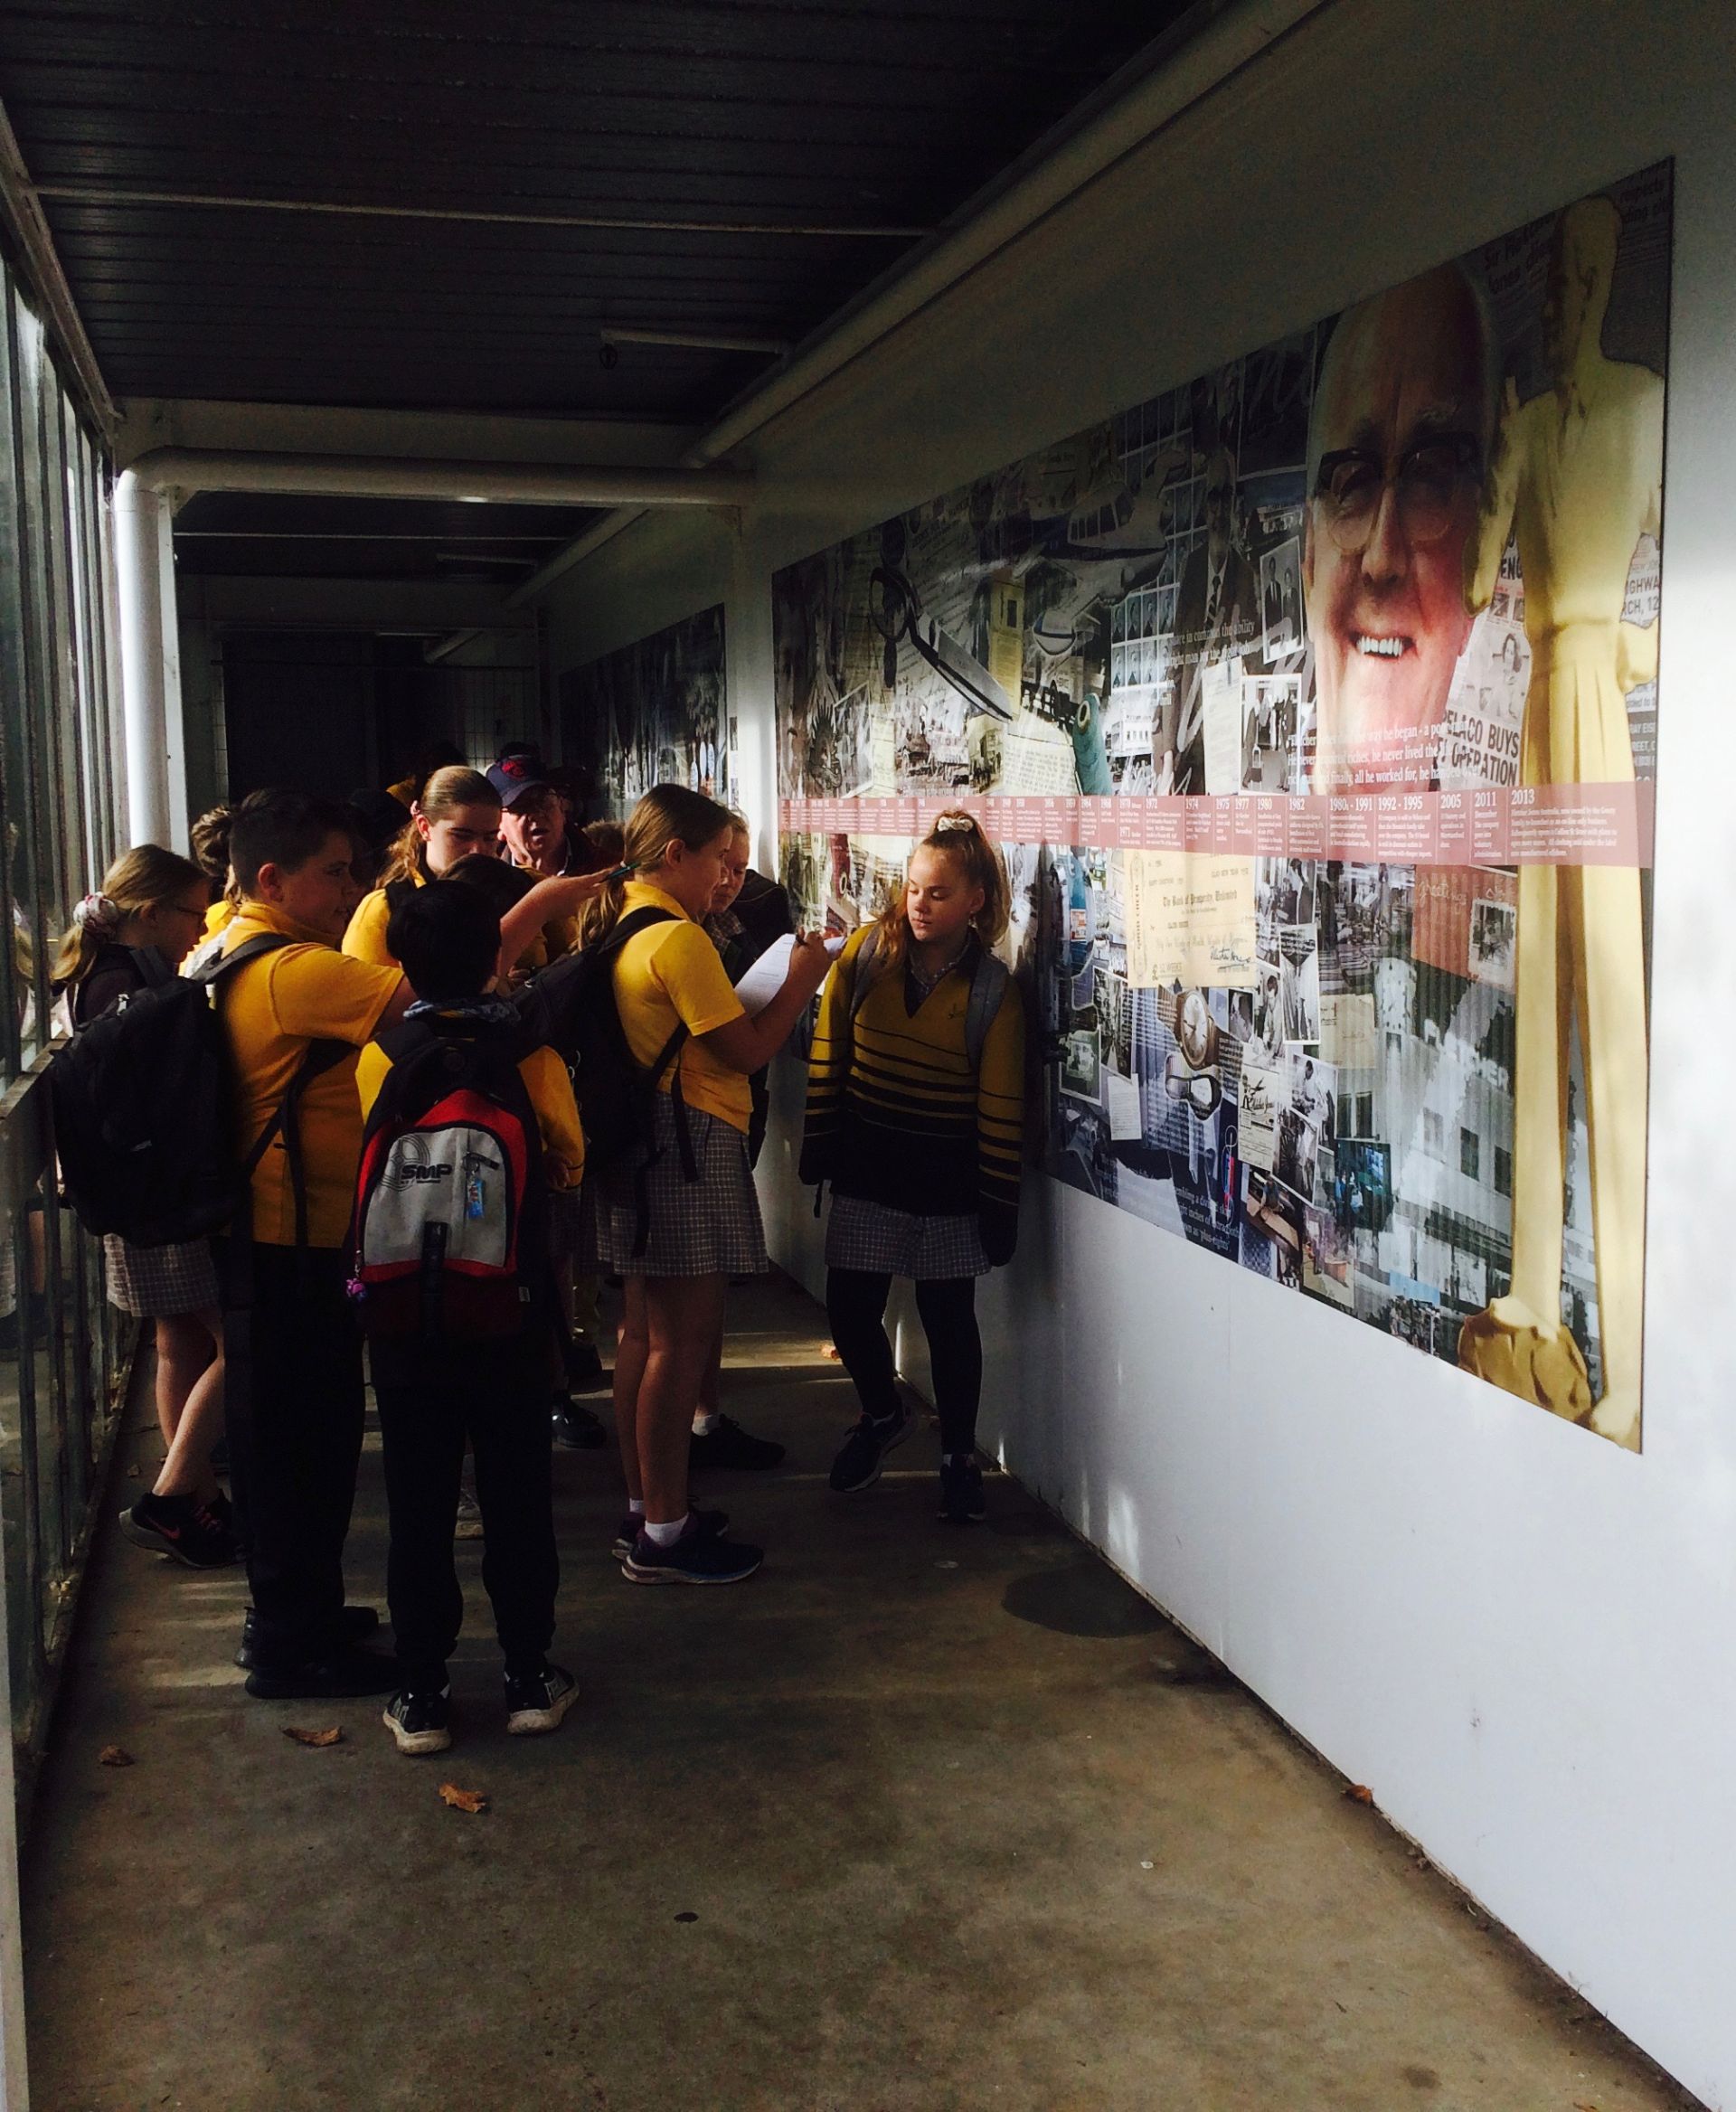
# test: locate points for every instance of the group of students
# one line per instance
(347, 1010)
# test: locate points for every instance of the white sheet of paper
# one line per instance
(765, 978)
(1127, 1124)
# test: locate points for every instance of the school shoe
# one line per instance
(585, 1372)
(356, 1623)
(420, 1724)
(181, 1528)
(858, 1465)
(962, 1501)
(715, 1522)
(576, 1428)
(345, 1676)
(696, 1558)
(537, 1701)
(727, 1444)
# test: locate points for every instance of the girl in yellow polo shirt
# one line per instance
(701, 1215)
(458, 816)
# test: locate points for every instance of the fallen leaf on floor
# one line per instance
(463, 1799)
(132, 1473)
(1579, 2104)
(1359, 1793)
(335, 1736)
(829, 1351)
(114, 1756)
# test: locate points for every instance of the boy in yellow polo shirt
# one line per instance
(295, 1355)
(436, 1392)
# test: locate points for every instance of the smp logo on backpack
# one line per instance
(449, 1195)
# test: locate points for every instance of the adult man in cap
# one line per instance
(533, 818)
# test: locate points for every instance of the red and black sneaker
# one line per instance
(181, 1528)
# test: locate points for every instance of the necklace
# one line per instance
(925, 983)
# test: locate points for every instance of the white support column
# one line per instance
(15, 2079)
(150, 665)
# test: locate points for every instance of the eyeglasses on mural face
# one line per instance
(1427, 486)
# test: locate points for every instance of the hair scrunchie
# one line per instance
(97, 915)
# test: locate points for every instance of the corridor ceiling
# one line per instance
(430, 204)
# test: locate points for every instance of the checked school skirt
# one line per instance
(708, 1226)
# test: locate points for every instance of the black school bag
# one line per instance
(571, 1006)
(145, 1108)
(450, 1231)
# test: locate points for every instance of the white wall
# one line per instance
(1519, 1636)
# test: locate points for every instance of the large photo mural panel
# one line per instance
(656, 712)
(1315, 702)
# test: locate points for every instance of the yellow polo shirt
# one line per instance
(672, 973)
(551, 1090)
(272, 1010)
(365, 941)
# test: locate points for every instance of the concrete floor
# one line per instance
(919, 1818)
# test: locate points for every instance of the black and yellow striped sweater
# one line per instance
(895, 1113)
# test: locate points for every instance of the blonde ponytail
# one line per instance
(140, 880)
(668, 814)
(445, 792)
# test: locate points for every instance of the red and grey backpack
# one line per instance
(450, 1231)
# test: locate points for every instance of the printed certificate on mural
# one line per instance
(1363, 626)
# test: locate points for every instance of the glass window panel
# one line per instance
(18, 888)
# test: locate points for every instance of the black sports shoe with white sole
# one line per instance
(696, 1558)
(727, 1445)
(420, 1724)
(537, 1701)
(627, 1530)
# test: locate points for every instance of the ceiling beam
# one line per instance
(192, 469)
(241, 202)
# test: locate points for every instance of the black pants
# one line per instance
(293, 1393)
(497, 1397)
(856, 1304)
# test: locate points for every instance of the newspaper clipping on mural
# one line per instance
(655, 714)
(1313, 702)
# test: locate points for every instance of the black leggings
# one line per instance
(856, 1304)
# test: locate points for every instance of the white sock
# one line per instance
(664, 1536)
(635, 1506)
(703, 1425)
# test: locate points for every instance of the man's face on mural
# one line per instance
(1401, 438)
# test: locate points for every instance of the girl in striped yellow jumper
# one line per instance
(915, 1115)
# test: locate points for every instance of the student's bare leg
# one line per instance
(632, 1349)
(189, 1402)
(683, 1317)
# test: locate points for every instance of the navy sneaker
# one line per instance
(420, 1724)
(858, 1465)
(711, 1521)
(727, 1445)
(961, 1492)
(537, 1701)
(696, 1558)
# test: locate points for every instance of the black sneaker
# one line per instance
(345, 1676)
(539, 1702)
(585, 1372)
(727, 1444)
(696, 1558)
(576, 1428)
(358, 1623)
(858, 1465)
(420, 1724)
(714, 1522)
(961, 1492)
(181, 1528)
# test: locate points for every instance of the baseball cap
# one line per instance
(516, 775)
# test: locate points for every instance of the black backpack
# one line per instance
(571, 1006)
(145, 1108)
(450, 1230)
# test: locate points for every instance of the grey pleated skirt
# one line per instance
(708, 1226)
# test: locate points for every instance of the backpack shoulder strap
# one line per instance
(988, 982)
(867, 953)
(249, 949)
(633, 923)
(155, 972)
